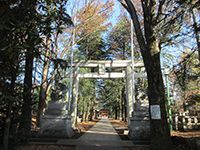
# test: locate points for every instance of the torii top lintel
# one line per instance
(106, 63)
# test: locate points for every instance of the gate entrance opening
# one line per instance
(138, 119)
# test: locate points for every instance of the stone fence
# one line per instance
(183, 121)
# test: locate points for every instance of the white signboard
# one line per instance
(155, 112)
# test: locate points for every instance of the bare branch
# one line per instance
(123, 3)
(160, 9)
(128, 5)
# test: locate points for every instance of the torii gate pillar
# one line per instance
(129, 92)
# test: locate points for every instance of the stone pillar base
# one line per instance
(139, 125)
(56, 126)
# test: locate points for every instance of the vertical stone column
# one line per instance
(176, 122)
(75, 97)
(129, 92)
(139, 123)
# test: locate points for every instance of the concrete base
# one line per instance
(56, 126)
(139, 125)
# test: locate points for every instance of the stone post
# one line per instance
(129, 92)
(56, 121)
(176, 122)
(75, 98)
(184, 121)
(139, 122)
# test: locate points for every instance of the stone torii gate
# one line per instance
(138, 119)
(102, 73)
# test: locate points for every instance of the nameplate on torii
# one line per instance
(102, 69)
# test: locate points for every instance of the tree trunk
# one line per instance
(122, 103)
(83, 119)
(120, 107)
(160, 134)
(26, 111)
(25, 125)
(116, 112)
(7, 130)
(88, 111)
(124, 110)
(196, 32)
(43, 87)
(84, 110)
(10, 103)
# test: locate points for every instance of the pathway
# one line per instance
(102, 136)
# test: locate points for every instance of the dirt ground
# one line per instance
(187, 140)
(84, 126)
(186, 134)
(118, 123)
(182, 140)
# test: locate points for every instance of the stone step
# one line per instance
(94, 143)
(86, 147)
(124, 143)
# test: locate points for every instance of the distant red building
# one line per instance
(103, 113)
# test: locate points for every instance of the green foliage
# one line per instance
(187, 71)
(92, 47)
(91, 24)
(18, 36)
(87, 96)
(110, 94)
(186, 78)
(119, 40)
(54, 17)
(23, 25)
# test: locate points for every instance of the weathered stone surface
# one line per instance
(56, 108)
(57, 105)
(55, 112)
(56, 126)
(56, 121)
(139, 125)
